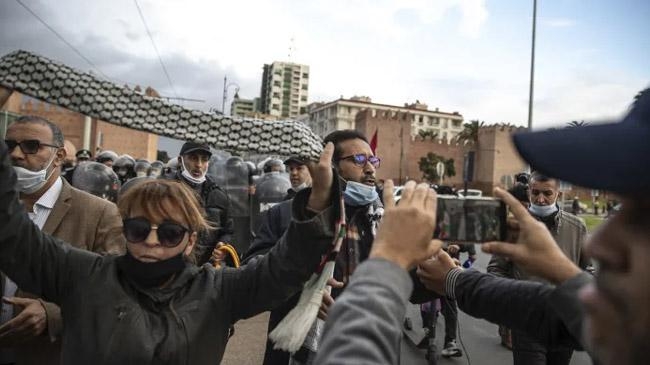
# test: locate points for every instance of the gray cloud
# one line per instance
(192, 79)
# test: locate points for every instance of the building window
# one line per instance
(420, 120)
(276, 83)
(457, 123)
(304, 86)
(305, 75)
(276, 107)
(444, 123)
(303, 98)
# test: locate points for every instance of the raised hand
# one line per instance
(406, 230)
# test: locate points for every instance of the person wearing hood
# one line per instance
(570, 233)
(36, 150)
(192, 170)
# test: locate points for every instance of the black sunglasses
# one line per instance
(137, 230)
(28, 146)
(361, 160)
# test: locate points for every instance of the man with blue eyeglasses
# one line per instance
(356, 165)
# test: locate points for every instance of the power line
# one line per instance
(63, 39)
(155, 48)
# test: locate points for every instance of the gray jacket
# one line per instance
(365, 324)
(569, 232)
(362, 331)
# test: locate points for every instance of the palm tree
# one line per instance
(427, 133)
(470, 132)
(576, 124)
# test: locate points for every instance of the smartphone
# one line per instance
(470, 219)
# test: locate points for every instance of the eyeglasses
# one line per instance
(361, 160)
(137, 230)
(28, 146)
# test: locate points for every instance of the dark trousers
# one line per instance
(526, 350)
(450, 312)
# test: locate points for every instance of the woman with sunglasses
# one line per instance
(150, 306)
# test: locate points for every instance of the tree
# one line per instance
(470, 132)
(576, 124)
(427, 133)
(427, 166)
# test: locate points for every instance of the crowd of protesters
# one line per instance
(85, 280)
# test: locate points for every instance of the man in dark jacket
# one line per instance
(192, 170)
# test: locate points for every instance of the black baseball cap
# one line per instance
(611, 156)
(294, 159)
(189, 147)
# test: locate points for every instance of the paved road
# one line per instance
(479, 338)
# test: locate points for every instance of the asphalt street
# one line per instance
(478, 338)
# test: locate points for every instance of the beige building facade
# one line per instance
(325, 118)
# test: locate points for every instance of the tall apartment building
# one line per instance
(341, 114)
(284, 89)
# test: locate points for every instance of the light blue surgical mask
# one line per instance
(28, 181)
(358, 194)
(542, 210)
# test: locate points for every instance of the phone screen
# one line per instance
(470, 219)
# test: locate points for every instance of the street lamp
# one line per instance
(226, 85)
(532, 70)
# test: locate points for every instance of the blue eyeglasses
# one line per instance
(361, 160)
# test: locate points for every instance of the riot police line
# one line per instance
(252, 187)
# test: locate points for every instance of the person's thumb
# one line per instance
(16, 301)
(500, 248)
(434, 247)
(334, 283)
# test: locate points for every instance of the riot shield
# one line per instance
(97, 179)
(270, 189)
(234, 175)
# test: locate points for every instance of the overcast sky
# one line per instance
(470, 56)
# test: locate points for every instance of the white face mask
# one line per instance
(300, 187)
(542, 210)
(28, 181)
(186, 174)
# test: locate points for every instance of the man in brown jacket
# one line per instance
(29, 326)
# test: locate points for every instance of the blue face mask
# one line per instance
(358, 194)
(542, 210)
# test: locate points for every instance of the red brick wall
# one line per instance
(496, 156)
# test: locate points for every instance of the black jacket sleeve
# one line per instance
(524, 305)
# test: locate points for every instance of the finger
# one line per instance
(516, 208)
(11, 325)
(16, 301)
(322, 315)
(407, 193)
(327, 300)
(431, 202)
(504, 249)
(434, 247)
(389, 199)
(334, 283)
(326, 155)
(420, 195)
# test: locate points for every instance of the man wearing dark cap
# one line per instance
(83, 155)
(298, 175)
(607, 314)
(193, 164)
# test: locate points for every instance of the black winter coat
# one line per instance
(111, 320)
